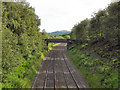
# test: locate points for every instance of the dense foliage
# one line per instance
(23, 46)
(65, 36)
(94, 68)
(97, 50)
(103, 25)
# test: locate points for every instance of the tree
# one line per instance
(22, 42)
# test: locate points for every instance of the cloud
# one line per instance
(64, 14)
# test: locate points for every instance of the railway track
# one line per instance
(58, 72)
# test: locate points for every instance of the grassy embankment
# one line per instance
(24, 75)
(34, 69)
(98, 64)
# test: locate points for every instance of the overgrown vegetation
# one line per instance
(23, 45)
(97, 50)
(94, 68)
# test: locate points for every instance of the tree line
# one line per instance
(96, 52)
(104, 25)
(23, 46)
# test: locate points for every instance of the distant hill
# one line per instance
(57, 33)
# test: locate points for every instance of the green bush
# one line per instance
(93, 68)
(23, 45)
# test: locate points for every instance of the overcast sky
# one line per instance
(58, 15)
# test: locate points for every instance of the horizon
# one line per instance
(57, 31)
(60, 31)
